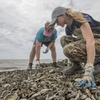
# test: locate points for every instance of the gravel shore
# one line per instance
(46, 83)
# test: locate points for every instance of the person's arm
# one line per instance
(39, 39)
(90, 42)
(54, 36)
(38, 47)
(88, 78)
(51, 44)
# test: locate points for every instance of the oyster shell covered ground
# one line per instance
(46, 83)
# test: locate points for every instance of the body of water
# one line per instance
(16, 64)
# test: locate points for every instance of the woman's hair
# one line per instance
(48, 26)
(76, 15)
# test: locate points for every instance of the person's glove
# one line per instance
(46, 50)
(88, 78)
(37, 64)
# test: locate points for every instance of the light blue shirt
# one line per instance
(41, 38)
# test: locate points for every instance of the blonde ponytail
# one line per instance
(76, 15)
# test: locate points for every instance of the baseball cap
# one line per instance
(57, 12)
(47, 33)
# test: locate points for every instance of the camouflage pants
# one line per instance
(75, 48)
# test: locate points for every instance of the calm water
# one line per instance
(9, 65)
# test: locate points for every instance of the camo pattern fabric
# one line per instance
(75, 48)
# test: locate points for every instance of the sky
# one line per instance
(21, 19)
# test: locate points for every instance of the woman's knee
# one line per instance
(66, 50)
(63, 40)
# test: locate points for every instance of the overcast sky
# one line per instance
(21, 19)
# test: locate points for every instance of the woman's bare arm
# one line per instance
(90, 42)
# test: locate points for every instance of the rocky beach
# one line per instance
(46, 83)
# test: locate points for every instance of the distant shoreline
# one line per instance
(19, 64)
